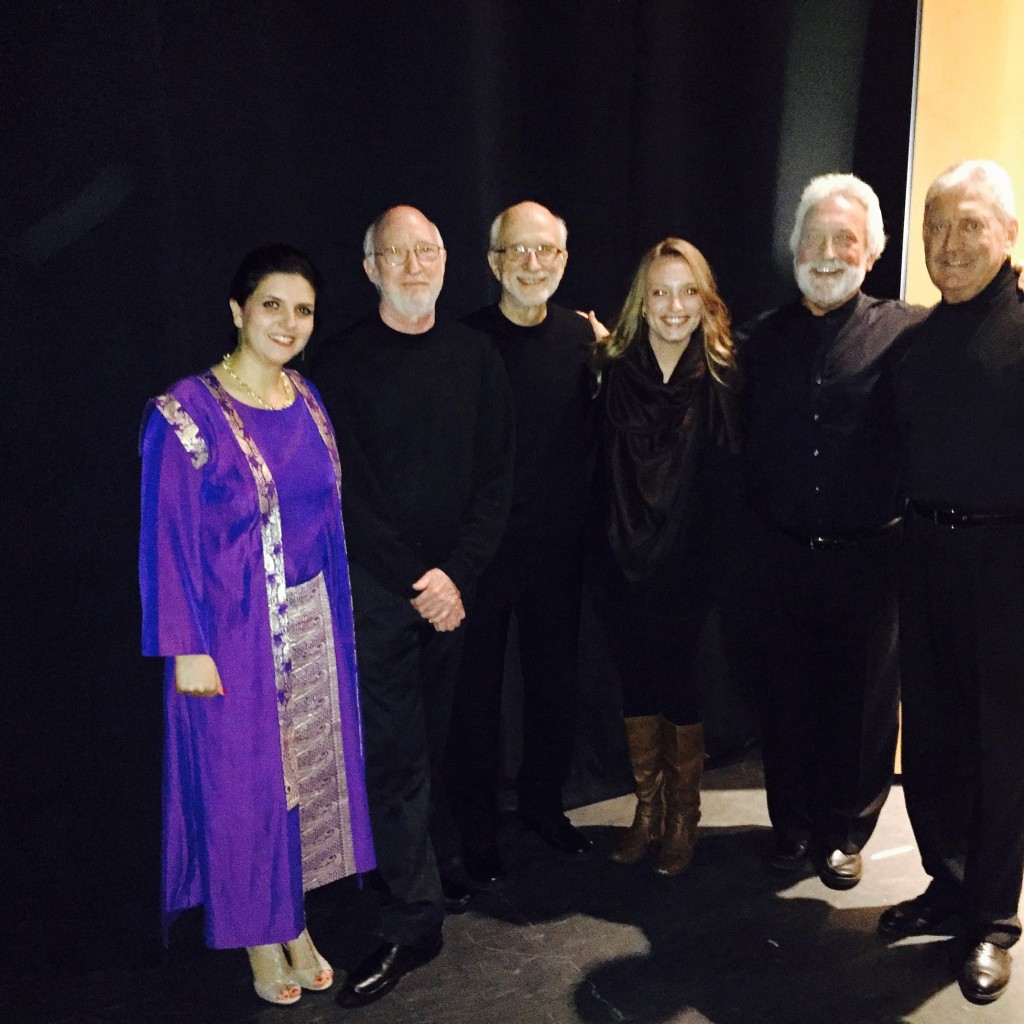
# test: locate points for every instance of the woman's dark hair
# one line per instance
(271, 259)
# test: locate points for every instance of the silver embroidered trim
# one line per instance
(185, 429)
(314, 737)
(273, 568)
(321, 424)
(324, 426)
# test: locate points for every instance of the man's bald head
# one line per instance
(528, 257)
(404, 258)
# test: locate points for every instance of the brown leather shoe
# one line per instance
(985, 973)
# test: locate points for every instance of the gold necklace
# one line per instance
(285, 383)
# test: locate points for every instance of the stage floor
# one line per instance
(588, 941)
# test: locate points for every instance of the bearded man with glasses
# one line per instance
(536, 572)
(423, 417)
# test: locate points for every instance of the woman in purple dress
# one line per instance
(245, 593)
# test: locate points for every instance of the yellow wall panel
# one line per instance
(970, 87)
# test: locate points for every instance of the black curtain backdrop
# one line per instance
(147, 145)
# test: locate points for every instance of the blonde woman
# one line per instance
(670, 431)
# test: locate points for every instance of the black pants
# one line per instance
(962, 635)
(817, 636)
(653, 629)
(540, 581)
(407, 674)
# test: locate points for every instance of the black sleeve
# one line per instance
(487, 512)
(373, 540)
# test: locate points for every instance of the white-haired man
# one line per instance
(818, 616)
(960, 408)
(536, 573)
(423, 417)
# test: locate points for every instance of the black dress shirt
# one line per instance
(821, 455)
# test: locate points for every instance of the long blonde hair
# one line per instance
(719, 350)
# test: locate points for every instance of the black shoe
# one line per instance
(560, 834)
(919, 916)
(788, 856)
(380, 972)
(483, 864)
(985, 973)
(840, 870)
(456, 895)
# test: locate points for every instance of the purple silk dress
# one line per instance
(242, 557)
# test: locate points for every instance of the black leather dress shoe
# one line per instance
(483, 864)
(985, 973)
(560, 834)
(840, 870)
(788, 856)
(380, 972)
(457, 896)
(919, 916)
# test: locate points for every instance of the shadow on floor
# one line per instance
(727, 942)
(586, 941)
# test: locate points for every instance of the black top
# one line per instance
(960, 402)
(821, 455)
(549, 370)
(424, 429)
(666, 454)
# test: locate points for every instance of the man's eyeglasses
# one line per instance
(521, 253)
(396, 256)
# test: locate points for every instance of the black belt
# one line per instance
(956, 518)
(822, 542)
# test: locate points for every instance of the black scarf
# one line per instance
(656, 436)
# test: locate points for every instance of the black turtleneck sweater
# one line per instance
(425, 438)
(821, 453)
(548, 368)
(960, 402)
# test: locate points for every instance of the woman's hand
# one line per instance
(196, 675)
(601, 333)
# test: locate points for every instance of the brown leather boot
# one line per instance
(643, 738)
(683, 759)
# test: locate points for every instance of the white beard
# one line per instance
(411, 306)
(834, 290)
